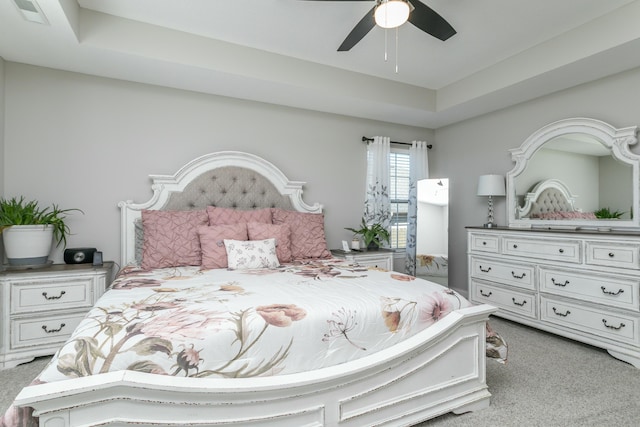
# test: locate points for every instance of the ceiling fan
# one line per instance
(416, 12)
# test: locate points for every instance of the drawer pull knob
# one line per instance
(611, 254)
(515, 276)
(520, 304)
(622, 325)
(53, 331)
(484, 243)
(485, 295)
(606, 292)
(44, 294)
(484, 270)
(515, 246)
(561, 250)
(566, 282)
(565, 314)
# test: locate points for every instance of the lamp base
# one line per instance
(489, 225)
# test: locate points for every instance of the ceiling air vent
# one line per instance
(31, 11)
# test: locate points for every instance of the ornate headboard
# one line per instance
(230, 179)
(546, 197)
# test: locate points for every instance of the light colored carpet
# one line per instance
(552, 381)
(549, 381)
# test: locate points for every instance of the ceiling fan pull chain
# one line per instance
(386, 56)
(397, 50)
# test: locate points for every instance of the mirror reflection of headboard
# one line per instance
(612, 182)
(551, 199)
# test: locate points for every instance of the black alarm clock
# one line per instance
(79, 255)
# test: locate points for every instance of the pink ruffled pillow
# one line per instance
(282, 234)
(214, 253)
(219, 216)
(171, 238)
(307, 233)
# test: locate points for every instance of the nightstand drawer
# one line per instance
(53, 294)
(38, 331)
(382, 258)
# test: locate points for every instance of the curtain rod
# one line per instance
(367, 139)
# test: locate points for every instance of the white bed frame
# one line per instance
(439, 370)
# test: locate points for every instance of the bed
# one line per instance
(551, 200)
(143, 355)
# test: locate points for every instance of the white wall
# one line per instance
(479, 146)
(88, 142)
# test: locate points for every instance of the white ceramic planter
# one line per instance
(27, 244)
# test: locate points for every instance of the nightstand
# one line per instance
(40, 307)
(381, 258)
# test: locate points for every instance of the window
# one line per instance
(399, 196)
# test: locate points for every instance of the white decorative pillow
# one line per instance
(251, 254)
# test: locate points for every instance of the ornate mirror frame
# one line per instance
(616, 140)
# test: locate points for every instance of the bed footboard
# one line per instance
(439, 370)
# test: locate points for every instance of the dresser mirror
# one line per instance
(575, 173)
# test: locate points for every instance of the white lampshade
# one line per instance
(491, 185)
(392, 13)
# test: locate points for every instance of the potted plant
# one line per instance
(606, 213)
(372, 234)
(27, 230)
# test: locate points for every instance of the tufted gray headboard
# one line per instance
(229, 187)
(230, 179)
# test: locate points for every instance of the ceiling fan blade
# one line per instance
(359, 31)
(429, 21)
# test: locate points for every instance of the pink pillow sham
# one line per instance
(171, 238)
(214, 253)
(307, 233)
(282, 234)
(219, 216)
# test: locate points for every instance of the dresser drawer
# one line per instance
(596, 321)
(519, 275)
(53, 294)
(549, 249)
(609, 289)
(613, 254)
(42, 331)
(484, 242)
(507, 299)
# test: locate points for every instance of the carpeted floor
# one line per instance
(549, 381)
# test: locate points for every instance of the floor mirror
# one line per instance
(432, 239)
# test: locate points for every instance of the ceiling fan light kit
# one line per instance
(392, 13)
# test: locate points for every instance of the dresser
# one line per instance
(578, 284)
(40, 308)
(381, 258)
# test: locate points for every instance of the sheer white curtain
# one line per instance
(418, 169)
(377, 206)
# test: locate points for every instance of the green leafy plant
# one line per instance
(373, 234)
(16, 211)
(606, 213)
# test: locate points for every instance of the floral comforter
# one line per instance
(223, 323)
